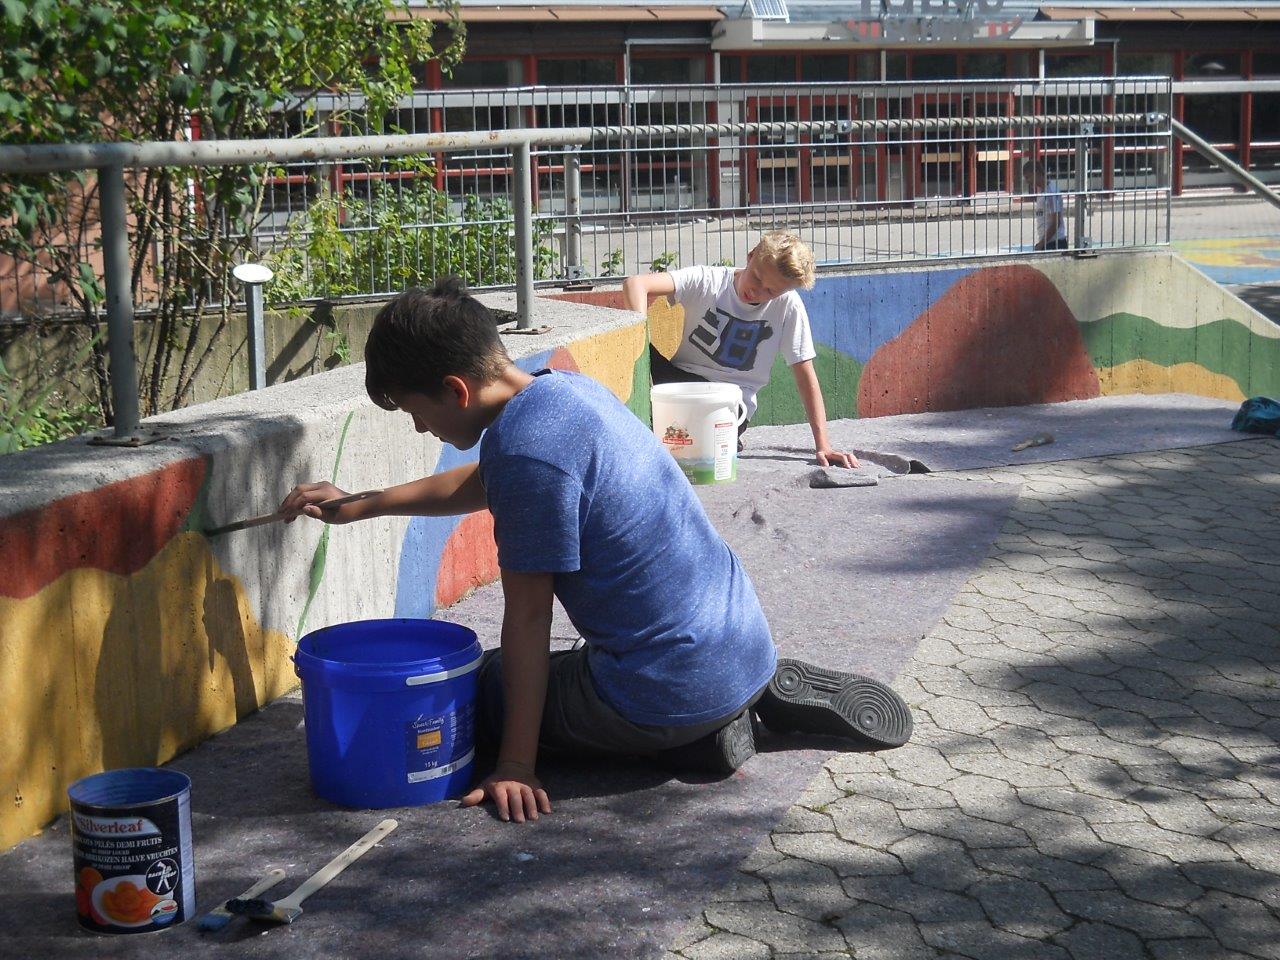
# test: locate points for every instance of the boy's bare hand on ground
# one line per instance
(515, 791)
(303, 499)
(834, 458)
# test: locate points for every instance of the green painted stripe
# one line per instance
(322, 548)
(1226, 347)
(838, 374)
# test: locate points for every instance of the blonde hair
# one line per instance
(789, 255)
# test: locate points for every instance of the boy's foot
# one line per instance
(809, 699)
(721, 752)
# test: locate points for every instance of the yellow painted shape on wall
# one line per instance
(100, 671)
(610, 358)
(666, 326)
(1143, 376)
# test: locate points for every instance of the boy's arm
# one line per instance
(636, 290)
(450, 493)
(816, 410)
(526, 647)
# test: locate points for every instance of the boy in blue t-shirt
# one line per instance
(589, 508)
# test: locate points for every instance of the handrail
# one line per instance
(1223, 162)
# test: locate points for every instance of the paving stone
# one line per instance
(925, 904)
(763, 922)
(1238, 878)
(878, 933)
(1149, 877)
(806, 889)
(867, 821)
(999, 767)
(1177, 846)
(691, 933)
(1061, 835)
(979, 939)
(1145, 919)
(905, 796)
(1098, 941)
(1050, 872)
(1020, 906)
(1084, 805)
(1257, 846)
(727, 946)
(937, 862)
(1261, 812)
(1192, 949)
(973, 832)
(1239, 923)
(800, 819)
(845, 858)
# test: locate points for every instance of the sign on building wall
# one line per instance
(933, 21)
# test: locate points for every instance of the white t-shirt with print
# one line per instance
(1049, 202)
(728, 341)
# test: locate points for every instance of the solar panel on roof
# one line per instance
(769, 9)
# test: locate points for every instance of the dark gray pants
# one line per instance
(575, 721)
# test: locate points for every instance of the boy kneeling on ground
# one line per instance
(589, 508)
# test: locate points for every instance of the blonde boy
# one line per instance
(736, 321)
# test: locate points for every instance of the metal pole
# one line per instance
(257, 339)
(1082, 187)
(573, 211)
(119, 287)
(522, 162)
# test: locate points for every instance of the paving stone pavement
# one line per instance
(1095, 770)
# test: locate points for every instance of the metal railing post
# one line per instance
(119, 287)
(573, 214)
(1082, 187)
(521, 156)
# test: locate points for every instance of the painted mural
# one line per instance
(1059, 329)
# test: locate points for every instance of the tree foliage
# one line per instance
(146, 70)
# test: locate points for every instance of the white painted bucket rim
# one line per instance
(697, 392)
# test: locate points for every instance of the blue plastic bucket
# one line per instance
(131, 847)
(390, 711)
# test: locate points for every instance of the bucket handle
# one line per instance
(742, 414)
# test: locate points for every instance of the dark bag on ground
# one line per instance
(1258, 415)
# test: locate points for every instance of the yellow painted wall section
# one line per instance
(1143, 376)
(666, 325)
(610, 358)
(100, 671)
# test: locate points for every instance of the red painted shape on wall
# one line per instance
(562, 359)
(999, 337)
(116, 528)
(469, 559)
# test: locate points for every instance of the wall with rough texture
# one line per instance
(1045, 330)
(128, 635)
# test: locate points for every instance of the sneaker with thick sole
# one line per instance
(721, 752)
(808, 699)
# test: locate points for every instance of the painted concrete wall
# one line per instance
(127, 635)
(1046, 330)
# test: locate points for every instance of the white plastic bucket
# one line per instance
(698, 423)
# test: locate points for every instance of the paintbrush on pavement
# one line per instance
(277, 516)
(220, 916)
(290, 908)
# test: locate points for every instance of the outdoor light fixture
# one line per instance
(253, 276)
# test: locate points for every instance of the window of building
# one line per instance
(984, 66)
(866, 67)
(1211, 65)
(1076, 65)
(825, 68)
(655, 70)
(935, 66)
(478, 73)
(1024, 63)
(1266, 118)
(771, 69)
(731, 69)
(1140, 64)
(895, 66)
(1266, 64)
(576, 73)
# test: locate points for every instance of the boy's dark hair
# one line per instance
(423, 336)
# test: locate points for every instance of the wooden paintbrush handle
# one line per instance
(339, 863)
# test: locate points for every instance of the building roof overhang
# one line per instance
(930, 32)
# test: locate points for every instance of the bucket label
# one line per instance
(439, 744)
(134, 873)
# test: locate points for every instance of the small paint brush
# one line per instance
(220, 916)
(278, 516)
(290, 908)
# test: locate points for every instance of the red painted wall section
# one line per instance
(999, 337)
(116, 528)
(469, 559)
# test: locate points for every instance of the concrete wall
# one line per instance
(1044, 330)
(127, 635)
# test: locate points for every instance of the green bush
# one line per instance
(399, 235)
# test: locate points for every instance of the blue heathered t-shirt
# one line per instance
(580, 488)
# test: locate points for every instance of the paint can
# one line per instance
(698, 423)
(389, 707)
(131, 846)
